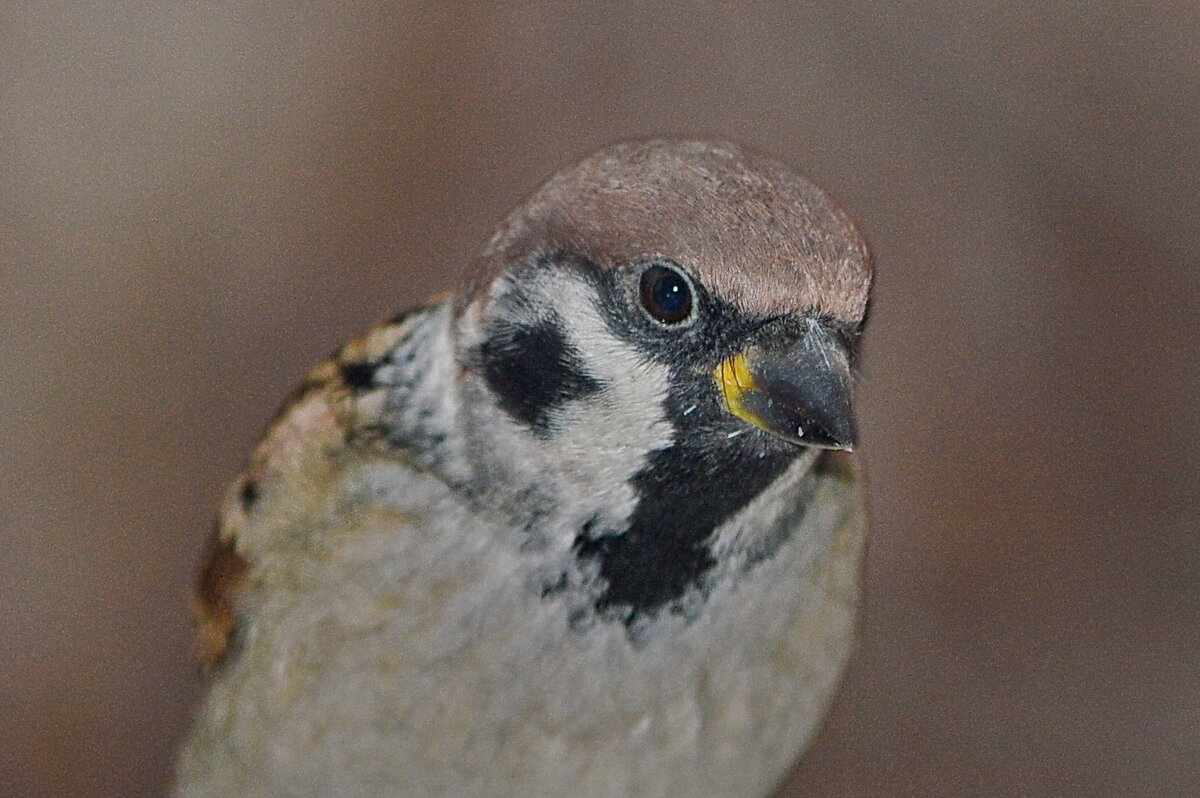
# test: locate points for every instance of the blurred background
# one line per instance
(197, 201)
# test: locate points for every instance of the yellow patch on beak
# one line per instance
(734, 379)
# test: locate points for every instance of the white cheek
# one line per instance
(604, 440)
(601, 441)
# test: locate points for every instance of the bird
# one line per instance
(586, 525)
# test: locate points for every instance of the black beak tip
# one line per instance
(804, 397)
(837, 434)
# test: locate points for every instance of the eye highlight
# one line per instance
(666, 294)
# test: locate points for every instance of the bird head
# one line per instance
(685, 280)
(646, 345)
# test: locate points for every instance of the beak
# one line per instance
(799, 392)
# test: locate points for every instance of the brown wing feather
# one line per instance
(221, 581)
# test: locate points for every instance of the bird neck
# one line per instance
(619, 510)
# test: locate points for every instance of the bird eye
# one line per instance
(666, 294)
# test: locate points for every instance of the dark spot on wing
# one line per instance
(358, 375)
(533, 370)
(248, 495)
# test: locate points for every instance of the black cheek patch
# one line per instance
(533, 370)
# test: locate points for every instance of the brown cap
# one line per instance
(753, 231)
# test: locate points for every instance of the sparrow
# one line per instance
(585, 527)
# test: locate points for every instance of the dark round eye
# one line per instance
(666, 294)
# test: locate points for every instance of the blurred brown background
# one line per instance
(198, 201)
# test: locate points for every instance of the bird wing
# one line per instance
(332, 411)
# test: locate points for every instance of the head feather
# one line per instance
(752, 230)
